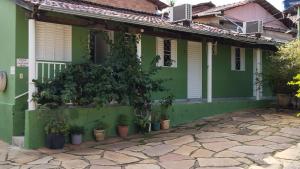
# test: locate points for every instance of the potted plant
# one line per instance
(99, 130)
(76, 134)
(165, 104)
(123, 123)
(56, 131)
(155, 125)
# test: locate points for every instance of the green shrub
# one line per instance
(282, 67)
(100, 125)
(76, 129)
(57, 127)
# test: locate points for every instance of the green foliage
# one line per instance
(123, 120)
(282, 67)
(296, 82)
(165, 105)
(57, 127)
(76, 129)
(120, 78)
(81, 84)
(100, 125)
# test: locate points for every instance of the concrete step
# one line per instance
(18, 141)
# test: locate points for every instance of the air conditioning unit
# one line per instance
(253, 27)
(181, 13)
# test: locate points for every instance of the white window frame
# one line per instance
(160, 52)
(242, 59)
(53, 42)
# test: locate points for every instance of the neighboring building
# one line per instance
(233, 16)
(293, 13)
(214, 70)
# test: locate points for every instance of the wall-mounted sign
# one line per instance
(22, 62)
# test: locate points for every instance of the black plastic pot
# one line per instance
(55, 141)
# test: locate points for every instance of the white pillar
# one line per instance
(258, 74)
(209, 72)
(139, 46)
(31, 64)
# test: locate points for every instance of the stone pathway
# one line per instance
(255, 139)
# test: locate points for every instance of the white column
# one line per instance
(209, 72)
(258, 74)
(139, 47)
(31, 64)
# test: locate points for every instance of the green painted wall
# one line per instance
(80, 49)
(228, 83)
(7, 59)
(21, 72)
(86, 117)
(183, 113)
(178, 76)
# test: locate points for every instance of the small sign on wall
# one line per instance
(22, 62)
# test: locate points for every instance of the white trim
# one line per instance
(31, 64)
(160, 52)
(139, 47)
(209, 71)
(257, 71)
(174, 48)
(233, 58)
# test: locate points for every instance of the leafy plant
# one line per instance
(165, 104)
(123, 120)
(76, 130)
(120, 78)
(57, 127)
(100, 125)
(282, 67)
(296, 82)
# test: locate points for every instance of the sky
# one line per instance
(277, 3)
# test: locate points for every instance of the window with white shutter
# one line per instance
(53, 42)
(238, 59)
(167, 50)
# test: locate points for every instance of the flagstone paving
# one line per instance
(254, 139)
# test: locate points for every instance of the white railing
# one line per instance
(48, 69)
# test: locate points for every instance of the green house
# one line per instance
(214, 70)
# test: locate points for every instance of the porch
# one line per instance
(233, 140)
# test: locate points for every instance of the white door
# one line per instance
(194, 70)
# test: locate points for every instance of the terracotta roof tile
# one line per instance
(139, 18)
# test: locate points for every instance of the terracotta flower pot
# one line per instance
(165, 124)
(283, 100)
(99, 135)
(123, 131)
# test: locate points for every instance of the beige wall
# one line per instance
(252, 12)
(138, 5)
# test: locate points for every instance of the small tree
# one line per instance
(282, 67)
